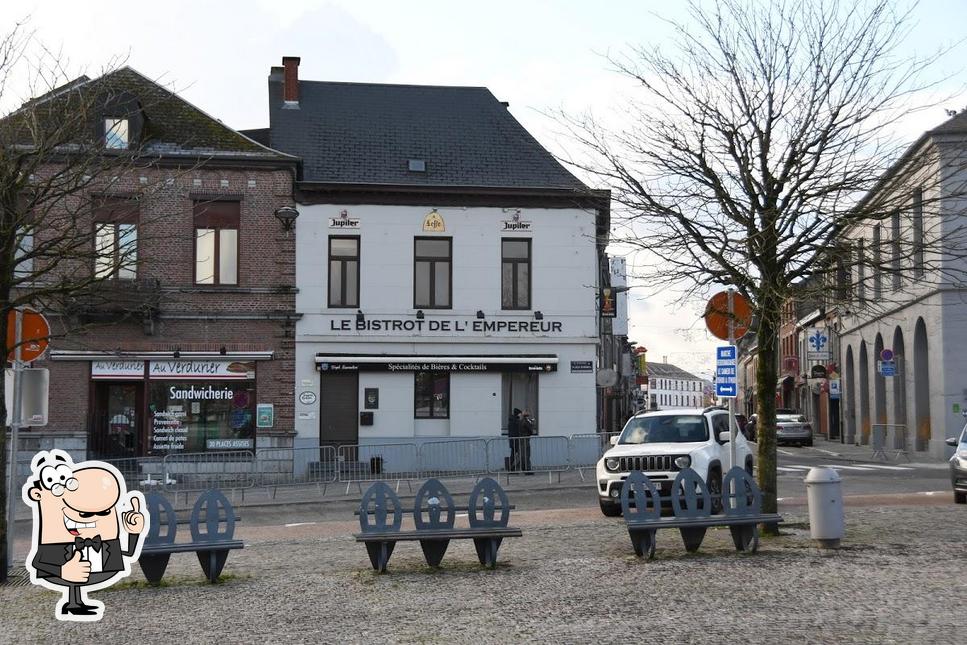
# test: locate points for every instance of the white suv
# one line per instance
(661, 443)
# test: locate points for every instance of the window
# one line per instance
(877, 282)
(860, 272)
(895, 249)
(216, 242)
(918, 233)
(24, 266)
(515, 273)
(116, 133)
(116, 239)
(343, 271)
(432, 266)
(432, 395)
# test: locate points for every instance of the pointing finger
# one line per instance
(136, 504)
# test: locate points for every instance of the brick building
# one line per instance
(191, 337)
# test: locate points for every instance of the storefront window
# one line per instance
(199, 415)
(432, 391)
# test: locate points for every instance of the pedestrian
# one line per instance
(528, 428)
(513, 434)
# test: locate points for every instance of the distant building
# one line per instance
(669, 386)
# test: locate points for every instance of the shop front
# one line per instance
(168, 406)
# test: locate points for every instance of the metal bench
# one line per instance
(692, 507)
(434, 516)
(211, 536)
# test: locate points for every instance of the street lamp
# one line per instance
(287, 216)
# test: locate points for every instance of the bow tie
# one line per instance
(83, 543)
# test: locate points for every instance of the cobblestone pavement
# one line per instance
(571, 578)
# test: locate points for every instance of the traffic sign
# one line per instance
(726, 366)
(34, 330)
(886, 355)
(717, 315)
(886, 368)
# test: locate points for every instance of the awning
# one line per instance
(436, 363)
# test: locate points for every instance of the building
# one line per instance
(447, 265)
(670, 386)
(186, 344)
(908, 304)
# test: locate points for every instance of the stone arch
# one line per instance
(921, 385)
(879, 384)
(899, 383)
(863, 395)
(850, 396)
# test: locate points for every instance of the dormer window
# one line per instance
(116, 134)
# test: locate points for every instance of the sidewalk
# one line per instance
(853, 453)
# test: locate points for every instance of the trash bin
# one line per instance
(824, 492)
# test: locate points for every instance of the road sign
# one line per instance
(886, 355)
(717, 315)
(834, 388)
(726, 365)
(886, 368)
(34, 330)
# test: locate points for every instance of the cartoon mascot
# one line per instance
(78, 545)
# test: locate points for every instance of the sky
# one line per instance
(539, 55)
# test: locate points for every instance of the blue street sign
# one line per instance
(726, 390)
(887, 368)
(726, 369)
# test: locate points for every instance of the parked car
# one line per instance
(793, 428)
(661, 443)
(958, 466)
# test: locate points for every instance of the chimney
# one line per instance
(290, 79)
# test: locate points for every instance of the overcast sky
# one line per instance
(538, 55)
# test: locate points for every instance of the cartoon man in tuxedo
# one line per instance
(79, 511)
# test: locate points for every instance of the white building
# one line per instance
(670, 387)
(446, 266)
(910, 299)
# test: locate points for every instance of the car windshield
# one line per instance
(667, 428)
(796, 418)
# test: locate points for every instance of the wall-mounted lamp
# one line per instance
(287, 215)
(538, 315)
(419, 314)
(177, 353)
(480, 314)
(359, 316)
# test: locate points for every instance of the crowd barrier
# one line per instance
(274, 468)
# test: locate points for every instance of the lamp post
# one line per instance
(287, 216)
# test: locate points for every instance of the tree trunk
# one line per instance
(766, 375)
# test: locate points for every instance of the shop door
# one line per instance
(339, 410)
(116, 431)
(519, 391)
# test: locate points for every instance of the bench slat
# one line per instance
(438, 534)
(700, 522)
(186, 547)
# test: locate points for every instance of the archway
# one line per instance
(921, 385)
(879, 385)
(863, 395)
(899, 384)
(850, 397)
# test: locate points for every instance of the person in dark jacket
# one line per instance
(528, 428)
(513, 434)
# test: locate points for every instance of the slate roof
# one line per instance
(365, 133)
(667, 370)
(171, 125)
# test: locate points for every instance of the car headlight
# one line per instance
(612, 463)
(962, 454)
(683, 462)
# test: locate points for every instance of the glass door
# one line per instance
(117, 420)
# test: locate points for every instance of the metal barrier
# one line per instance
(297, 466)
(881, 435)
(587, 449)
(378, 462)
(141, 473)
(453, 458)
(528, 454)
(224, 469)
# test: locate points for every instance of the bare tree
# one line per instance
(65, 233)
(748, 158)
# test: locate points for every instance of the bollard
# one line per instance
(824, 493)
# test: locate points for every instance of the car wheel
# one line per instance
(960, 498)
(610, 509)
(715, 491)
(809, 443)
